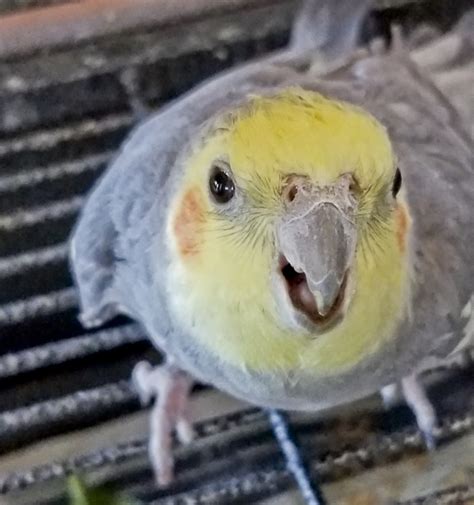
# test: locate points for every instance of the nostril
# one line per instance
(292, 185)
(291, 192)
(350, 182)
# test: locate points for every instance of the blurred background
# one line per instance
(75, 76)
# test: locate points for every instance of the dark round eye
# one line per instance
(397, 183)
(221, 185)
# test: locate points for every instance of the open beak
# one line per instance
(316, 241)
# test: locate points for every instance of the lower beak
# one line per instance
(316, 245)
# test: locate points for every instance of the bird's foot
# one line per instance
(416, 398)
(170, 387)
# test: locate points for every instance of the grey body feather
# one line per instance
(119, 251)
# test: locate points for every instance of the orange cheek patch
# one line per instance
(402, 222)
(188, 223)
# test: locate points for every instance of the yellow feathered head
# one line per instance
(288, 235)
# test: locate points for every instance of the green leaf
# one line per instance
(80, 494)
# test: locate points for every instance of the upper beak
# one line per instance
(316, 238)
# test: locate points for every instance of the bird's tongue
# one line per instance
(306, 299)
(298, 289)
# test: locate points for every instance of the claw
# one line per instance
(421, 406)
(429, 440)
(389, 395)
(184, 430)
(398, 40)
(141, 381)
(378, 47)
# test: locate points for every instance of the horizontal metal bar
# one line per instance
(459, 495)
(48, 212)
(50, 412)
(9, 6)
(72, 348)
(21, 311)
(379, 450)
(61, 25)
(23, 263)
(41, 419)
(263, 483)
(165, 49)
(46, 139)
(69, 24)
(97, 459)
(35, 176)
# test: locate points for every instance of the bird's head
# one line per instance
(289, 235)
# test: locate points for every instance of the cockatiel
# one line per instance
(296, 232)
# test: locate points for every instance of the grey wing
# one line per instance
(109, 241)
(449, 60)
(92, 256)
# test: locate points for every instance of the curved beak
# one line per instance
(316, 238)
